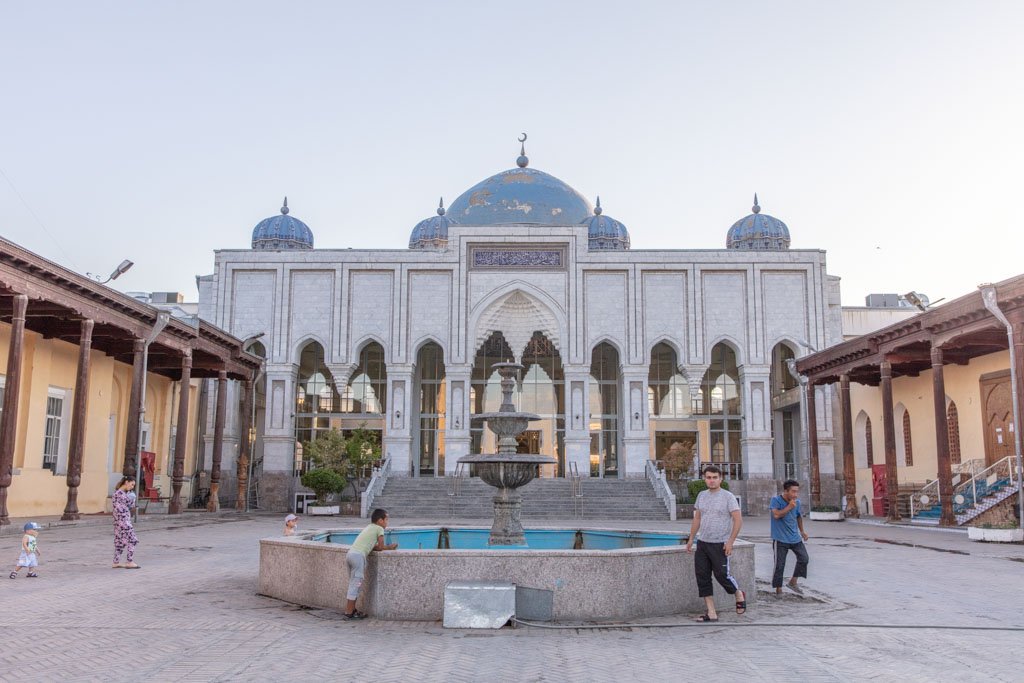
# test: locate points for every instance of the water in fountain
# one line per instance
(507, 470)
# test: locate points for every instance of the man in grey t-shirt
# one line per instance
(716, 524)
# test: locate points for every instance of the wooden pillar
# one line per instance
(942, 440)
(1017, 328)
(131, 439)
(79, 416)
(12, 395)
(849, 470)
(812, 446)
(218, 440)
(891, 480)
(181, 436)
(244, 445)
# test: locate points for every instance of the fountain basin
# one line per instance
(620, 583)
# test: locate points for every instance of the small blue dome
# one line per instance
(758, 231)
(606, 233)
(282, 232)
(520, 195)
(432, 232)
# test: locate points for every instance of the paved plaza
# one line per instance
(191, 613)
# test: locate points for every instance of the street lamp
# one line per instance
(803, 474)
(121, 269)
(989, 298)
(162, 318)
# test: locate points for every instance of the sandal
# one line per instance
(14, 575)
(704, 618)
(741, 605)
(33, 575)
(132, 566)
(355, 615)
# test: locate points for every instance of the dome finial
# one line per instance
(440, 207)
(597, 209)
(284, 209)
(756, 208)
(523, 161)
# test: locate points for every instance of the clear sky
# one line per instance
(889, 133)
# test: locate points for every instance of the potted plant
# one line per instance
(324, 482)
(1008, 532)
(827, 513)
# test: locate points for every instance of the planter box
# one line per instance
(977, 533)
(827, 516)
(322, 509)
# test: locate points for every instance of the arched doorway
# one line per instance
(604, 402)
(785, 399)
(671, 411)
(542, 391)
(430, 382)
(722, 404)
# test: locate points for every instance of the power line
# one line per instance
(67, 258)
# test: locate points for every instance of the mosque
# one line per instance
(631, 355)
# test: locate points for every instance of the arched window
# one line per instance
(543, 393)
(430, 374)
(953, 429)
(908, 445)
(366, 392)
(604, 410)
(315, 394)
(668, 392)
(485, 390)
(721, 400)
(862, 433)
(781, 379)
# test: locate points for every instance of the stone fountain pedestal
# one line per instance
(507, 470)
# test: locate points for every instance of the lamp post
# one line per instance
(121, 269)
(990, 299)
(162, 318)
(803, 474)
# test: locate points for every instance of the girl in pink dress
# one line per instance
(124, 532)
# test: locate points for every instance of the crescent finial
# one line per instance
(522, 139)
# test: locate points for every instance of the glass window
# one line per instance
(604, 410)
(51, 439)
(431, 375)
(720, 387)
(668, 392)
(367, 389)
(781, 379)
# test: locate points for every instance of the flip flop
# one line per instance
(133, 566)
(33, 575)
(704, 618)
(741, 605)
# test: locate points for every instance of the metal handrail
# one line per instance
(575, 489)
(454, 480)
(376, 485)
(982, 478)
(661, 488)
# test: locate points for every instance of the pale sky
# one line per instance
(890, 134)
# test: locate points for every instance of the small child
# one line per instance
(290, 523)
(29, 551)
(369, 539)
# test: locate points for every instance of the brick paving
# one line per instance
(191, 614)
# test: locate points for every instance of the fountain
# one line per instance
(507, 470)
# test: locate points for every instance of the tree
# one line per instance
(328, 451)
(324, 482)
(363, 450)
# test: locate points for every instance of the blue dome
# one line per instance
(520, 195)
(282, 232)
(606, 233)
(758, 231)
(432, 232)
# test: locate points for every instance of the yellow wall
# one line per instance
(962, 384)
(51, 363)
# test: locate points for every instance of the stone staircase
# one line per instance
(543, 499)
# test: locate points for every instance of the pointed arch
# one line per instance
(363, 342)
(862, 448)
(428, 339)
(619, 347)
(904, 440)
(518, 309)
(729, 341)
(670, 341)
(953, 430)
(300, 345)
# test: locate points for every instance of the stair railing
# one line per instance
(981, 482)
(927, 496)
(453, 485)
(376, 485)
(575, 489)
(661, 488)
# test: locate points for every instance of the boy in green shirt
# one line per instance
(369, 539)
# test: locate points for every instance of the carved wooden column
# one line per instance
(942, 440)
(131, 439)
(79, 415)
(181, 436)
(849, 470)
(12, 395)
(218, 440)
(891, 480)
(244, 445)
(812, 445)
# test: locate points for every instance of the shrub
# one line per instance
(695, 486)
(825, 508)
(323, 482)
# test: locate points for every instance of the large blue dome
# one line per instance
(520, 195)
(282, 232)
(604, 233)
(758, 231)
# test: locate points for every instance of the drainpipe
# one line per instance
(989, 298)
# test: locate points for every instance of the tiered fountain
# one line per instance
(507, 470)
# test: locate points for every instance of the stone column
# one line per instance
(79, 413)
(577, 421)
(218, 440)
(849, 468)
(181, 435)
(245, 439)
(12, 395)
(889, 427)
(946, 518)
(456, 423)
(812, 445)
(636, 438)
(397, 420)
(131, 439)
